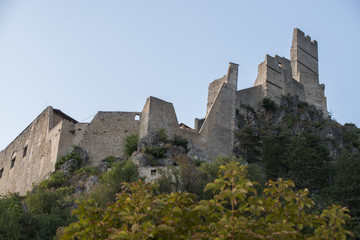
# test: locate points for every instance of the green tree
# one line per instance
(130, 144)
(236, 211)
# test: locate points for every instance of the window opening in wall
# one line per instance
(12, 162)
(1, 172)
(280, 64)
(137, 117)
(25, 151)
(153, 172)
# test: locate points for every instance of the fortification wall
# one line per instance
(106, 132)
(71, 134)
(157, 114)
(32, 155)
(213, 90)
(218, 129)
(250, 96)
(304, 63)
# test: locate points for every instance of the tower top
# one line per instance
(302, 41)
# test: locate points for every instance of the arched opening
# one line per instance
(137, 117)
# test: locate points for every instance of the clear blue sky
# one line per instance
(86, 56)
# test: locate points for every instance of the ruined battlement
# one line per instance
(31, 157)
(304, 43)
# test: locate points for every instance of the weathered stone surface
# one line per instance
(140, 159)
(31, 157)
(90, 183)
(82, 153)
(69, 166)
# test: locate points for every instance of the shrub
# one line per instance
(131, 144)
(237, 211)
(161, 135)
(109, 159)
(74, 154)
(351, 137)
(88, 170)
(57, 179)
(290, 120)
(197, 162)
(157, 152)
(269, 104)
(302, 104)
(180, 141)
(248, 107)
(112, 181)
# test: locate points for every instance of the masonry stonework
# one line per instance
(31, 157)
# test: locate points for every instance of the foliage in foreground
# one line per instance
(236, 211)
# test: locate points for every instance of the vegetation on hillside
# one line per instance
(274, 145)
(236, 211)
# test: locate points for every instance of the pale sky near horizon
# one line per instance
(86, 56)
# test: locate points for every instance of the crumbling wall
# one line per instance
(106, 133)
(71, 135)
(213, 90)
(31, 157)
(250, 96)
(305, 70)
(218, 129)
(158, 114)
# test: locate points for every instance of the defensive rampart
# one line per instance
(31, 157)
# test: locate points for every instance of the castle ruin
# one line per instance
(31, 156)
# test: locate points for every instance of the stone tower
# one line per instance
(305, 68)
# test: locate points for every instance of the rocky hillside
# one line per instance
(292, 140)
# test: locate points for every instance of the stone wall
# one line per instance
(157, 114)
(106, 133)
(305, 70)
(32, 155)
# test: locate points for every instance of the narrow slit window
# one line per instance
(25, 151)
(1, 172)
(12, 162)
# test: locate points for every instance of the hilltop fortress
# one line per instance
(31, 156)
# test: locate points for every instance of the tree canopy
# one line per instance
(236, 211)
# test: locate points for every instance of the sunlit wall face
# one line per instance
(85, 56)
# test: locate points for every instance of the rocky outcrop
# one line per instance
(296, 118)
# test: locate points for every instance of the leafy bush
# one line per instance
(88, 170)
(269, 104)
(11, 215)
(236, 211)
(57, 179)
(180, 141)
(302, 104)
(351, 137)
(248, 107)
(161, 135)
(168, 180)
(111, 181)
(250, 146)
(123, 171)
(198, 162)
(290, 120)
(131, 144)
(74, 154)
(157, 152)
(109, 159)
